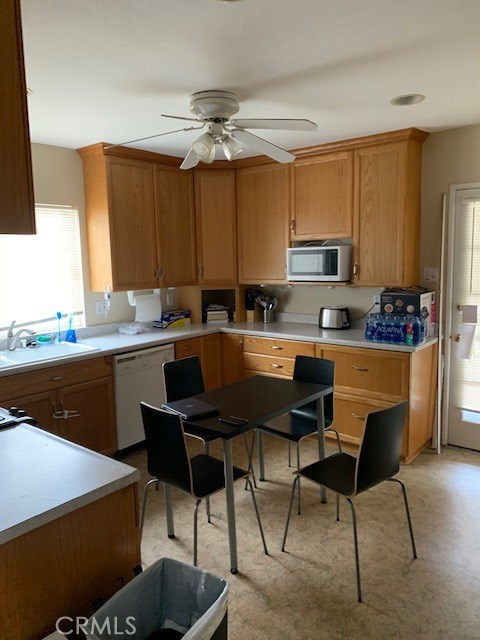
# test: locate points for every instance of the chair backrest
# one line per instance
(183, 378)
(379, 455)
(167, 457)
(319, 371)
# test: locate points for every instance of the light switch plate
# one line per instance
(430, 274)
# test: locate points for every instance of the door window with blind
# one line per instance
(42, 273)
(464, 400)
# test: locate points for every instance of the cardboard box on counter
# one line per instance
(173, 319)
(415, 301)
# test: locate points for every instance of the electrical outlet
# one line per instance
(376, 299)
(100, 307)
(169, 299)
(430, 274)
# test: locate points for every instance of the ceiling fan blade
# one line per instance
(275, 123)
(191, 160)
(261, 145)
(157, 135)
(164, 115)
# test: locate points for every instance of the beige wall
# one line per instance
(58, 179)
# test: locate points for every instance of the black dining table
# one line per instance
(257, 399)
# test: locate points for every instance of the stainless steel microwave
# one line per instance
(319, 264)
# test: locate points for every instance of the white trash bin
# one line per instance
(170, 599)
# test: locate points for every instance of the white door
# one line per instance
(464, 388)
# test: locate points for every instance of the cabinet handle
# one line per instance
(359, 368)
(200, 271)
(55, 378)
(277, 348)
(358, 417)
(66, 413)
(187, 347)
(240, 345)
(356, 270)
(56, 413)
(155, 273)
(277, 366)
(292, 224)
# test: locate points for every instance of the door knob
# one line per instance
(457, 337)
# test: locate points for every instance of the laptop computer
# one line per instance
(190, 408)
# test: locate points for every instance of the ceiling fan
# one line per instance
(214, 110)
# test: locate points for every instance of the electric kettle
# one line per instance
(334, 318)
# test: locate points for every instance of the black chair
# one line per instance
(302, 422)
(378, 460)
(168, 462)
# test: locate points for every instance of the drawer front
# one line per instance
(350, 416)
(55, 377)
(186, 348)
(281, 348)
(268, 364)
(381, 374)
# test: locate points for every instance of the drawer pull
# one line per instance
(359, 368)
(55, 378)
(277, 366)
(187, 347)
(277, 348)
(358, 417)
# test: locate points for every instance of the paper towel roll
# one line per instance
(147, 307)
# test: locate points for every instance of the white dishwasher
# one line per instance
(138, 377)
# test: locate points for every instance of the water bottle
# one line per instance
(399, 330)
(370, 327)
(423, 330)
(388, 328)
(416, 330)
(408, 331)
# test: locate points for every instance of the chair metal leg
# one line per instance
(144, 504)
(206, 448)
(250, 458)
(195, 531)
(338, 507)
(295, 482)
(258, 516)
(339, 442)
(404, 491)
(355, 539)
(289, 455)
(298, 469)
(261, 463)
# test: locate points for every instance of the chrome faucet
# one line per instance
(13, 337)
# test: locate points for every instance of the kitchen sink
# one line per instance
(45, 352)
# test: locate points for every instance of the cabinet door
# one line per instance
(91, 422)
(16, 188)
(322, 197)
(232, 357)
(132, 224)
(175, 226)
(263, 203)
(215, 213)
(379, 204)
(41, 407)
(211, 359)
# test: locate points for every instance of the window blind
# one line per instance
(42, 274)
(467, 290)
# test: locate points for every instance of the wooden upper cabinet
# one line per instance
(17, 214)
(263, 208)
(216, 223)
(387, 214)
(175, 226)
(132, 224)
(322, 197)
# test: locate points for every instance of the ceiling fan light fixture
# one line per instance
(203, 147)
(231, 148)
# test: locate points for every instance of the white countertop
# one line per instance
(109, 341)
(43, 477)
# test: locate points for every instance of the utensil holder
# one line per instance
(268, 315)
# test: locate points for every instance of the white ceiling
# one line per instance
(104, 70)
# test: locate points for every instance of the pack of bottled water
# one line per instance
(391, 329)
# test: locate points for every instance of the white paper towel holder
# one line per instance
(132, 299)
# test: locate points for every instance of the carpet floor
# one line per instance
(309, 592)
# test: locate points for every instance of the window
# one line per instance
(42, 274)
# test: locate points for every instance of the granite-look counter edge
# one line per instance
(43, 477)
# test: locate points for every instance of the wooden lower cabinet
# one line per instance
(208, 349)
(74, 401)
(368, 380)
(73, 563)
(272, 356)
(232, 357)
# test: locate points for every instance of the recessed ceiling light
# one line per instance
(407, 99)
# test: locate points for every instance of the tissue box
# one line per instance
(173, 319)
(415, 301)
